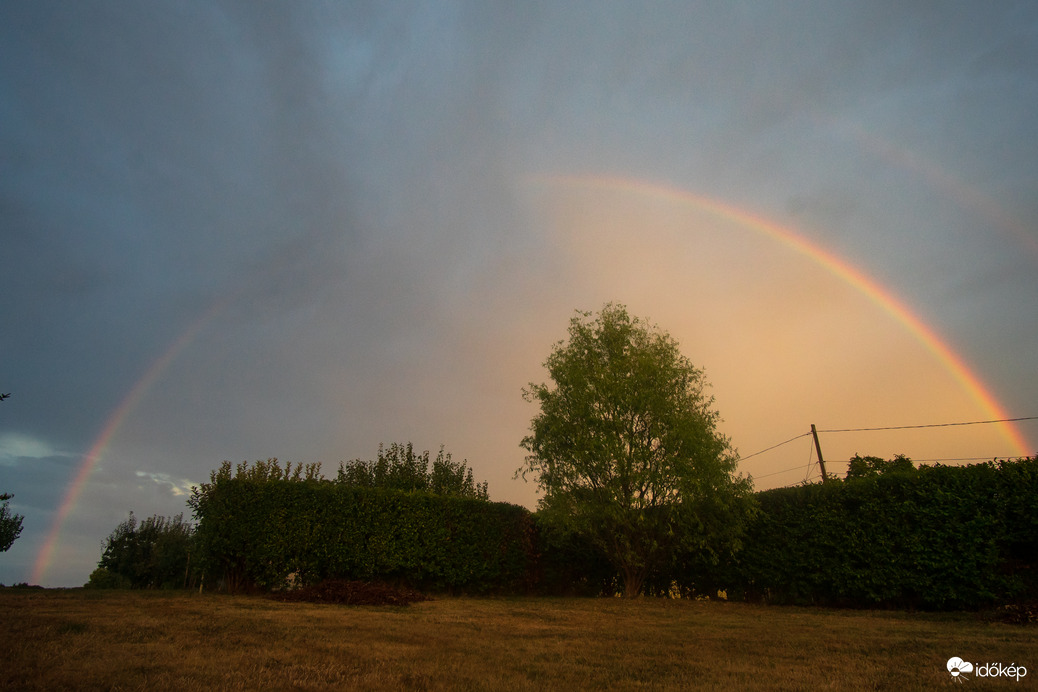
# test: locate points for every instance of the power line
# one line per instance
(792, 439)
(931, 425)
(915, 461)
(775, 473)
(810, 455)
(810, 458)
(989, 457)
(889, 427)
(892, 427)
(847, 461)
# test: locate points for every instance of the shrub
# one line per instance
(101, 578)
(154, 553)
(258, 525)
(937, 538)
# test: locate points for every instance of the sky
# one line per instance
(237, 230)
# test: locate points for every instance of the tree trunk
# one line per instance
(633, 579)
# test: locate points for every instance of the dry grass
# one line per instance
(79, 639)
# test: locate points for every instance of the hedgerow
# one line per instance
(939, 537)
(259, 525)
(936, 537)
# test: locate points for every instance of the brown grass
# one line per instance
(76, 639)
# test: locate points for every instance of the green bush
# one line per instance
(937, 538)
(566, 564)
(101, 578)
(154, 553)
(259, 525)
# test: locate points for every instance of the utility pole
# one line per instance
(818, 448)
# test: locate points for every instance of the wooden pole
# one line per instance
(818, 448)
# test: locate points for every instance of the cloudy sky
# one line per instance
(237, 230)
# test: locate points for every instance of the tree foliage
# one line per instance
(939, 537)
(400, 468)
(265, 526)
(224, 511)
(626, 448)
(151, 554)
(10, 523)
(868, 467)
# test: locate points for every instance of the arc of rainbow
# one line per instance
(108, 431)
(968, 197)
(831, 262)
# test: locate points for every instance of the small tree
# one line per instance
(864, 467)
(154, 553)
(10, 523)
(626, 447)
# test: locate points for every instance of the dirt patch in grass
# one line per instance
(352, 593)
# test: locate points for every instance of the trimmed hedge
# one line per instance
(256, 530)
(935, 538)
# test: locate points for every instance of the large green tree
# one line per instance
(626, 448)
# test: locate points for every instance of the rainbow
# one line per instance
(936, 345)
(111, 426)
(834, 264)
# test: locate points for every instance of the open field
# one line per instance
(119, 640)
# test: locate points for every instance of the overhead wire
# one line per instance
(891, 427)
(930, 425)
(810, 458)
(775, 473)
(847, 461)
(792, 439)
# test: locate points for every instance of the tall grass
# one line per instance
(115, 640)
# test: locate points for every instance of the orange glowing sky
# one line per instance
(797, 332)
(299, 230)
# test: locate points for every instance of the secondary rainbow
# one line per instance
(831, 262)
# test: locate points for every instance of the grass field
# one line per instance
(119, 640)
